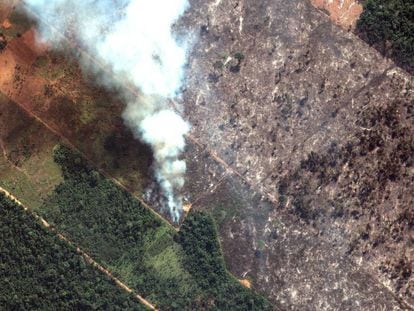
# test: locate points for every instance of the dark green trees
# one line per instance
(175, 271)
(204, 261)
(40, 272)
(388, 25)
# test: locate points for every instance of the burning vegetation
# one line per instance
(151, 64)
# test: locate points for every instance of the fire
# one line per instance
(6, 24)
(187, 207)
(246, 283)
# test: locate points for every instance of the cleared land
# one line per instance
(301, 91)
(342, 12)
(52, 87)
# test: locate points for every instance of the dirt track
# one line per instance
(87, 257)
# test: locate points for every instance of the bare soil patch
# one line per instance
(342, 12)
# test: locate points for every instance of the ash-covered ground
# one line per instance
(316, 204)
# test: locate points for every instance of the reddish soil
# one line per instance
(22, 51)
(4, 12)
(15, 81)
(342, 12)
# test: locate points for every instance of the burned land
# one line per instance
(301, 154)
(319, 126)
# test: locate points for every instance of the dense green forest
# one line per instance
(388, 25)
(40, 272)
(176, 271)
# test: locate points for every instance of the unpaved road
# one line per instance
(87, 257)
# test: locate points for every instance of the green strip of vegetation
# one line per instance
(204, 261)
(40, 272)
(388, 25)
(144, 251)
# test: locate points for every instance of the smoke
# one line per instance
(134, 39)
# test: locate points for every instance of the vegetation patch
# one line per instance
(204, 260)
(140, 248)
(40, 272)
(388, 25)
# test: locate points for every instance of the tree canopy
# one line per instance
(388, 25)
(38, 271)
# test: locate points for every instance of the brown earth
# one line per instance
(5, 8)
(50, 86)
(344, 13)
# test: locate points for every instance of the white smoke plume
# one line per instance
(134, 39)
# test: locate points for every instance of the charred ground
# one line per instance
(318, 125)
